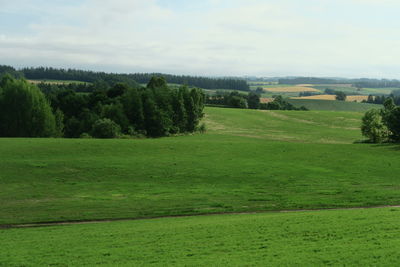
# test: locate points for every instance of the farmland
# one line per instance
(350, 98)
(290, 89)
(248, 161)
(332, 105)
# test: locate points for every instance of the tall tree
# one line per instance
(24, 110)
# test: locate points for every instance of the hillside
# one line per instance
(265, 161)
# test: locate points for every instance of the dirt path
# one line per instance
(60, 223)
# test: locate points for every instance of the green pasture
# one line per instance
(248, 161)
(368, 237)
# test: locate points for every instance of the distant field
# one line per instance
(265, 100)
(54, 81)
(333, 105)
(290, 89)
(350, 98)
(369, 237)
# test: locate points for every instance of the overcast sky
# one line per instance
(347, 38)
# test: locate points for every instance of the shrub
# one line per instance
(105, 128)
(202, 128)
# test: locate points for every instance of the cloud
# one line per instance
(214, 37)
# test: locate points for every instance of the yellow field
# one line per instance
(266, 100)
(350, 98)
(291, 89)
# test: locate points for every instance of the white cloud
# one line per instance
(221, 38)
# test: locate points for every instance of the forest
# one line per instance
(121, 110)
(131, 79)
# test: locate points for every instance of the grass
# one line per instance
(368, 237)
(333, 105)
(248, 161)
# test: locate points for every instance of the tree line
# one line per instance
(121, 110)
(358, 83)
(130, 79)
(381, 99)
(251, 101)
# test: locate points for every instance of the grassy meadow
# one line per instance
(369, 237)
(248, 161)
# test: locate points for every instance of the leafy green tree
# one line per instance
(373, 127)
(115, 112)
(153, 120)
(253, 100)
(59, 119)
(341, 96)
(24, 110)
(105, 128)
(157, 82)
(133, 108)
(179, 111)
(117, 90)
(393, 124)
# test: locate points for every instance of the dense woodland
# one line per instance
(132, 79)
(121, 110)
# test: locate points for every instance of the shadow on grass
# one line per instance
(392, 146)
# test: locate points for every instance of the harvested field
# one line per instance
(350, 98)
(265, 100)
(291, 89)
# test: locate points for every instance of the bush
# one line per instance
(202, 128)
(85, 136)
(105, 128)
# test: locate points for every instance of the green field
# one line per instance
(333, 105)
(248, 161)
(368, 237)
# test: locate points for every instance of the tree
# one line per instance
(393, 124)
(253, 100)
(24, 110)
(341, 96)
(373, 127)
(105, 128)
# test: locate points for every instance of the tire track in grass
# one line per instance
(72, 222)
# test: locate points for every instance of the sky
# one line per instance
(327, 38)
